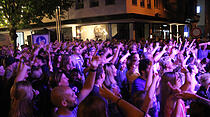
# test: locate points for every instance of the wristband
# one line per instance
(93, 70)
(118, 100)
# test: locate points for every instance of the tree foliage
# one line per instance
(17, 14)
(20, 13)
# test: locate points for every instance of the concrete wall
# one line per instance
(101, 10)
(120, 7)
(207, 29)
(202, 13)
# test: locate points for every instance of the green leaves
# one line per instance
(21, 13)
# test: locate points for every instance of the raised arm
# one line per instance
(98, 47)
(150, 93)
(203, 44)
(155, 49)
(127, 109)
(185, 60)
(180, 44)
(189, 95)
(116, 54)
(125, 57)
(157, 57)
(89, 82)
(185, 45)
(192, 43)
(174, 52)
(194, 53)
(188, 80)
(50, 61)
(22, 71)
(108, 51)
(149, 78)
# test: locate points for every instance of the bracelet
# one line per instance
(93, 70)
(118, 100)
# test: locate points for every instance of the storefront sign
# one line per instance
(37, 39)
(196, 32)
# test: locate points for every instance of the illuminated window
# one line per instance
(186, 34)
(134, 2)
(149, 4)
(94, 3)
(142, 3)
(157, 4)
(79, 4)
(198, 9)
(109, 2)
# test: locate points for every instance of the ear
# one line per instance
(59, 84)
(64, 103)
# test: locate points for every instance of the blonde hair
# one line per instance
(204, 79)
(109, 78)
(21, 96)
(164, 61)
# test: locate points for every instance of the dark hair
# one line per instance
(10, 60)
(1, 61)
(143, 65)
(199, 109)
(73, 71)
(55, 79)
(92, 106)
(41, 58)
(99, 72)
(41, 51)
(64, 62)
(190, 67)
(73, 48)
(55, 60)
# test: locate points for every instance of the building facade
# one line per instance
(203, 11)
(128, 19)
(123, 19)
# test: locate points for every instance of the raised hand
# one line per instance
(106, 93)
(128, 53)
(180, 40)
(96, 60)
(164, 48)
(22, 72)
(184, 69)
(175, 51)
(157, 44)
(120, 45)
(192, 43)
(186, 43)
(41, 44)
(109, 50)
(174, 43)
(174, 89)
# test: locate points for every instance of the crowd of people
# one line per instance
(106, 78)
